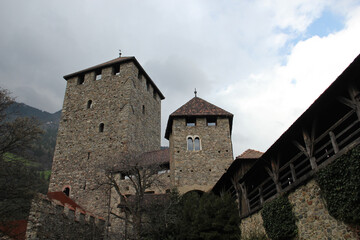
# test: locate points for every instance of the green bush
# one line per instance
(279, 220)
(209, 217)
(340, 187)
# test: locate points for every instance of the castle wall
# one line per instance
(313, 219)
(129, 109)
(199, 170)
(48, 220)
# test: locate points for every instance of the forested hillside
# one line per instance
(42, 150)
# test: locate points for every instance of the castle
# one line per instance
(114, 109)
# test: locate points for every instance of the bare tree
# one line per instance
(18, 181)
(130, 180)
(19, 134)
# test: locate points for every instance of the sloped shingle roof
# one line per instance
(197, 107)
(250, 153)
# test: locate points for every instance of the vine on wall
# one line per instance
(279, 220)
(340, 187)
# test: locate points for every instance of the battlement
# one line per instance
(51, 219)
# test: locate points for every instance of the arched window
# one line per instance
(67, 191)
(101, 127)
(197, 144)
(89, 103)
(190, 144)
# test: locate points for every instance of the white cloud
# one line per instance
(231, 51)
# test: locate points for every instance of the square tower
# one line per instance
(109, 109)
(200, 145)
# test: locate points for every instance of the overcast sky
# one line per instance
(264, 61)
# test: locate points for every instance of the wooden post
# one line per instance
(309, 144)
(293, 174)
(333, 142)
(261, 196)
(274, 173)
(244, 193)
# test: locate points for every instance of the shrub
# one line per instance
(340, 187)
(279, 220)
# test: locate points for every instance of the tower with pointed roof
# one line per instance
(199, 135)
(109, 109)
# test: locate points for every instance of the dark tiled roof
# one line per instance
(156, 157)
(200, 107)
(250, 153)
(197, 107)
(112, 62)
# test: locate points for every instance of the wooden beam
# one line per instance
(355, 99)
(333, 142)
(347, 102)
(244, 194)
(274, 173)
(301, 148)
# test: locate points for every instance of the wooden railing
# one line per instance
(316, 154)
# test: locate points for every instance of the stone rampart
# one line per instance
(49, 219)
(313, 219)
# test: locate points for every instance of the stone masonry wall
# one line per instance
(51, 220)
(313, 219)
(199, 170)
(252, 226)
(129, 109)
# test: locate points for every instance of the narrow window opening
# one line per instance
(98, 75)
(211, 121)
(190, 144)
(190, 122)
(67, 191)
(122, 176)
(80, 79)
(154, 95)
(101, 127)
(197, 144)
(89, 103)
(147, 86)
(116, 70)
(143, 109)
(88, 157)
(139, 75)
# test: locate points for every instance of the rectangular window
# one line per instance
(211, 121)
(80, 79)
(190, 122)
(116, 69)
(147, 86)
(98, 74)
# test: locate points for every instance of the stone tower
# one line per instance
(109, 109)
(200, 145)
